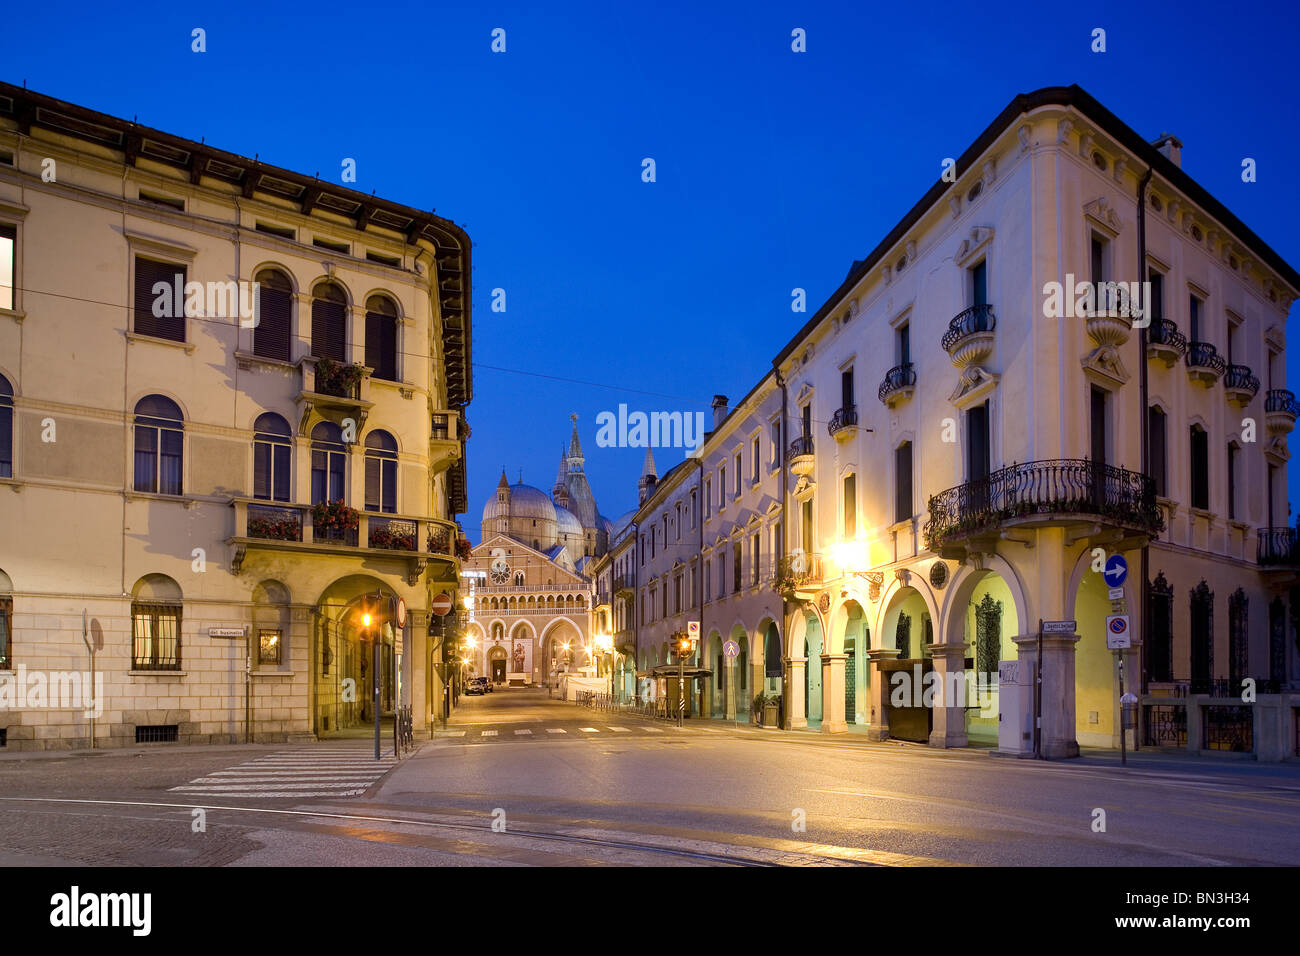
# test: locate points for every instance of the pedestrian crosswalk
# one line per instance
(541, 733)
(296, 773)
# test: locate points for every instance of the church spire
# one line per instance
(560, 493)
(575, 448)
(646, 485)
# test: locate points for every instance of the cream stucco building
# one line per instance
(161, 455)
(873, 540)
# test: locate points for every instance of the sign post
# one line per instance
(1118, 639)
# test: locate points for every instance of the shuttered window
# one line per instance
(381, 337)
(274, 315)
(329, 323)
(159, 310)
(903, 482)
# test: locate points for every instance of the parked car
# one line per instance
(476, 685)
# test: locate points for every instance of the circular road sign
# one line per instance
(441, 604)
(401, 612)
(731, 649)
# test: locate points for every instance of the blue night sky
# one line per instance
(775, 169)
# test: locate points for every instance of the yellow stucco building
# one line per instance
(233, 413)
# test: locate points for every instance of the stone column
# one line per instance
(1056, 732)
(879, 714)
(833, 694)
(949, 728)
(796, 688)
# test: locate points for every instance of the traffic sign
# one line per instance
(401, 612)
(1116, 570)
(1117, 633)
(1060, 627)
(681, 703)
(441, 604)
(731, 649)
(693, 630)
(1116, 594)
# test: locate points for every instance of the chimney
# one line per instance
(719, 410)
(1171, 147)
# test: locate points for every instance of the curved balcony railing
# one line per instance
(1165, 332)
(896, 379)
(1280, 400)
(978, 318)
(1203, 355)
(1240, 377)
(1279, 546)
(1044, 488)
(801, 446)
(843, 418)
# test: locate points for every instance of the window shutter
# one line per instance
(147, 274)
(271, 335)
(327, 329)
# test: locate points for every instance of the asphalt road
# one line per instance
(517, 779)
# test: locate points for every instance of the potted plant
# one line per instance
(463, 548)
(275, 528)
(332, 520)
(339, 380)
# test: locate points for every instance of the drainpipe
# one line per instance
(1143, 423)
(785, 539)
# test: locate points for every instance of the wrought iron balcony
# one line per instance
(1165, 342)
(969, 339)
(280, 531)
(801, 455)
(799, 574)
(899, 383)
(1278, 546)
(1042, 493)
(1240, 384)
(844, 423)
(1279, 411)
(1204, 363)
(622, 584)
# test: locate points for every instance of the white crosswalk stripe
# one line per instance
(589, 730)
(296, 773)
(556, 730)
(489, 733)
(620, 730)
(523, 733)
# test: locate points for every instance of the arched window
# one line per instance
(329, 310)
(772, 651)
(156, 624)
(159, 444)
(519, 579)
(271, 334)
(381, 337)
(271, 452)
(381, 472)
(6, 428)
(328, 458)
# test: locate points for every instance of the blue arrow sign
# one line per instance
(1116, 570)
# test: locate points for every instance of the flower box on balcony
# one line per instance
(341, 381)
(463, 548)
(392, 535)
(334, 521)
(275, 527)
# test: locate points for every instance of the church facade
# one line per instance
(532, 598)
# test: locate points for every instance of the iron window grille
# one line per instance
(156, 637)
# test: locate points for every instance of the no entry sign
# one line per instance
(441, 604)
